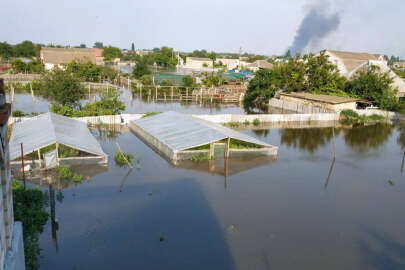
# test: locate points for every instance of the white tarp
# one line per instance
(50, 128)
(50, 159)
(181, 132)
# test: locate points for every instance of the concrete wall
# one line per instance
(15, 259)
(268, 118)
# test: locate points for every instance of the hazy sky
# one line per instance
(258, 26)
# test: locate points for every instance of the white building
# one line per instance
(349, 63)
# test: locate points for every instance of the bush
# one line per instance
(349, 113)
(256, 122)
(77, 178)
(29, 208)
(64, 172)
(234, 124)
(18, 113)
(122, 158)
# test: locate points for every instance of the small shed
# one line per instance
(327, 102)
(178, 136)
(52, 129)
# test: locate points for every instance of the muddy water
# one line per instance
(303, 211)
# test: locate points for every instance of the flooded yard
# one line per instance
(302, 211)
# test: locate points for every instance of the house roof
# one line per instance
(262, 64)
(180, 132)
(66, 55)
(49, 128)
(199, 59)
(320, 98)
(353, 60)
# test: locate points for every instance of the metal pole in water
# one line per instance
(22, 163)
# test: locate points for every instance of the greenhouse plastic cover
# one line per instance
(50, 128)
(181, 132)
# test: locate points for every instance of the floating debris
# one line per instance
(231, 229)
(391, 182)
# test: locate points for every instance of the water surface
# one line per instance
(303, 211)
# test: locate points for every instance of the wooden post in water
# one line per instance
(228, 141)
(212, 150)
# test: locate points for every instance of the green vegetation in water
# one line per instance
(246, 122)
(391, 182)
(233, 144)
(77, 178)
(29, 208)
(63, 151)
(198, 157)
(147, 114)
(161, 238)
(352, 117)
(64, 172)
(138, 158)
(256, 122)
(138, 167)
(234, 124)
(122, 158)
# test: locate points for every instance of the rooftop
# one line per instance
(178, 132)
(321, 98)
(67, 55)
(49, 128)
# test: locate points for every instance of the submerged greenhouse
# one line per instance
(50, 138)
(178, 137)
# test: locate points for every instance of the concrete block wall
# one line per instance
(296, 107)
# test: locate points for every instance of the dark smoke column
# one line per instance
(316, 25)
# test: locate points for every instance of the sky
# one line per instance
(258, 26)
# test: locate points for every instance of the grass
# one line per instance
(122, 158)
(234, 124)
(256, 122)
(246, 122)
(147, 114)
(352, 118)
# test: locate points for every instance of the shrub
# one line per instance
(122, 158)
(349, 113)
(200, 157)
(234, 124)
(29, 208)
(18, 113)
(256, 122)
(77, 178)
(64, 172)
(246, 122)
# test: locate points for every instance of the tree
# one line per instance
(111, 53)
(261, 88)
(98, 45)
(83, 45)
(25, 49)
(375, 86)
(62, 87)
(132, 47)
(141, 68)
(165, 57)
(187, 81)
(6, 50)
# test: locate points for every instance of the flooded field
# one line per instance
(302, 211)
(134, 104)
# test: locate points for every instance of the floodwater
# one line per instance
(302, 211)
(133, 104)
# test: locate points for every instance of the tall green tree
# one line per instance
(62, 87)
(110, 53)
(6, 50)
(132, 47)
(25, 49)
(375, 86)
(98, 45)
(141, 68)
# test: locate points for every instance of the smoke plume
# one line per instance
(316, 25)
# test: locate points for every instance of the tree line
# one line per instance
(317, 75)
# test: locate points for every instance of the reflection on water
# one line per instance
(367, 137)
(309, 139)
(304, 210)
